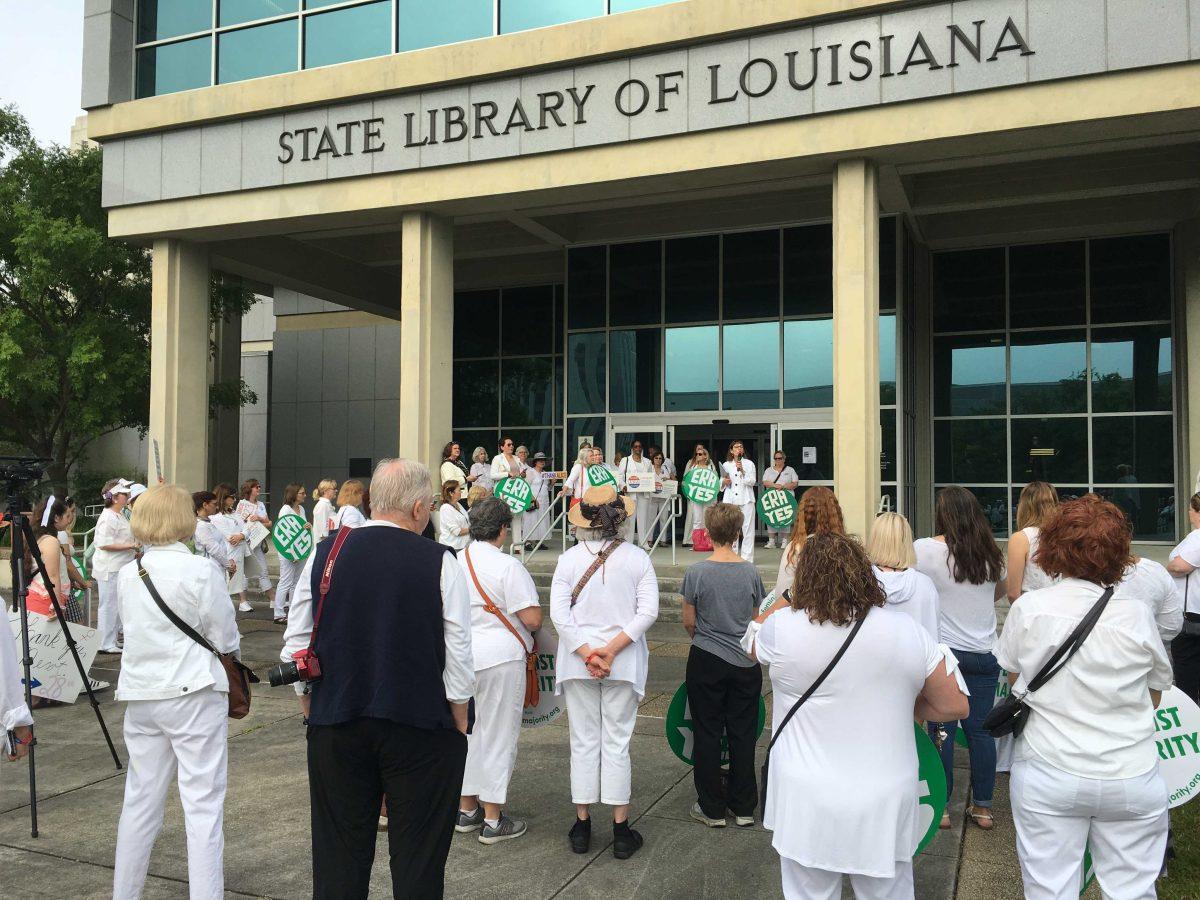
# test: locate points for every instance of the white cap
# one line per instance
(123, 486)
(135, 491)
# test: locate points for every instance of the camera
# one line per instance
(304, 667)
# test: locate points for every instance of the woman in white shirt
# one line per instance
(323, 511)
(739, 478)
(1038, 503)
(453, 468)
(210, 541)
(349, 504)
(642, 470)
(535, 522)
(506, 464)
(1184, 565)
(967, 569)
(602, 658)
(453, 530)
(502, 626)
(176, 696)
(115, 546)
(893, 559)
(257, 572)
(838, 806)
(1086, 769)
(289, 570)
(237, 534)
(657, 500)
(694, 517)
(577, 482)
(481, 471)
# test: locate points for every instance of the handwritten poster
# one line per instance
(53, 672)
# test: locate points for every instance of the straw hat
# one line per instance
(585, 515)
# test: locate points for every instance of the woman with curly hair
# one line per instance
(839, 806)
(1086, 768)
(818, 513)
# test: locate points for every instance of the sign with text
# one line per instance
(515, 492)
(550, 705)
(1177, 736)
(777, 508)
(291, 538)
(53, 675)
(701, 485)
(599, 476)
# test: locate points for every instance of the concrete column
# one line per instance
(856, 342)
(1187, 252)
(426, 336)
(179, 362)
(224, 434)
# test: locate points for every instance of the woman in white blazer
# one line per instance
(739, 477)
(453, 528)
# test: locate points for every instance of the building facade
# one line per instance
(909, 243)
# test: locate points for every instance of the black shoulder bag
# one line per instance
(1010, 715)
(812, 688)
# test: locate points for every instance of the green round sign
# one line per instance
(516, 492)
(701, 485)
(777, 508)
(599, 476)
(931, 787)
(291, 539)
(679, 726)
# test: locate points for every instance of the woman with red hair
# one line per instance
(819, 513)
(1086, 767)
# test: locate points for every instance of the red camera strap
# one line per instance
(326, 575)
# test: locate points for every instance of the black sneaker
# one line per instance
(580, 836)
(626, 841)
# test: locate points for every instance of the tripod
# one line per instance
(22, 536)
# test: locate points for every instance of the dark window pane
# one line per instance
(425, 24)
(968, 290)
(635, 283)
(693, 279)
(234, 12)
(577, 429)
(174, 67)
(1054, 450)
(518, 15)
(526, 391)
(559, 397)
(819, 443)
(1131, 278)
(751, 274)
(970, 450)
(476, 323)
(1133, 449)
(560, 323)
(532, 439)
(1151, 510)
(887, 359)
(528, 320)
(751, 370)
(359, 32)
(1048, 372)
(968, 375)
(888, 492)
(887, 444)
(256, 52)
(633, 371)
(159, 19)
(585, 373)
(1047, 285)
(887, 263)
(808, 363)
(994, 501)
(691, 368)
(1131, 368)
(475, 387)
(586, 282)
(808, 271)
(471, 438)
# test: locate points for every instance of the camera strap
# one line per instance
(326, 575)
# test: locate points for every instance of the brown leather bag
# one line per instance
(532, 692)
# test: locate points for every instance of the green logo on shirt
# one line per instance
(516, 492)
(291, 539)
(679, 727)
(700, 485)
(777, 508)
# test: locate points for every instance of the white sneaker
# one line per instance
(742, 821)
(245, 606)
(698, 814)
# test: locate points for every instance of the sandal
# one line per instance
(282, 620)
(981, 816)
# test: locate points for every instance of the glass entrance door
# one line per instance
(809, 450)
(622, 438)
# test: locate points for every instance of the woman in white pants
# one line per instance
(694, 517)
(115, 546)
(603, 598)
(739, 478)
(177, 697)
(323, 511)
(505, 612)
(293, 505)
(1086, 765)
(255, 567)
(639, 466)
(506, 464)
(237, 533)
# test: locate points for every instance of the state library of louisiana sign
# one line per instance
(928, 51)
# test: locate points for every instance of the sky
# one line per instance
(41, 48)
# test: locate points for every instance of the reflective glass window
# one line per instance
(518, 15)
(256, 52)
(533, 440)
(476, 323)
(168, 68)
(560, 323)
(750, 274)
(586, 283)
(691, 364)
(693, 279)
(1150, 510)
(808, 363)
(635, 283)
(1131, 368)
(317, 4)
(970, 450)
(558, 390)
(620, 6)
(475, 394)
(750, 376)
(1049, 372)
(633, 371)
(887, 445)
(1131, 278)
(1133, 449)
(160, 19)
(1054, 450)
(425, 24)
(1047, 284)
(819, 444)
(968, 290)
(808, 271)
(887, 263)
(235, 12)
(585, 373)
(526, 391)
(969, 375)
(887, 358)
(528, 320)
(994, 501)
(345, 34)
(470, 438)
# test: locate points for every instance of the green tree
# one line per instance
(74, 306)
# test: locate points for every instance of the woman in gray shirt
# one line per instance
(721, 595)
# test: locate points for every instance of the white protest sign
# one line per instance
(549, 706)
(52, 673)
(257, 531)
(1177, 734)
(245, 509)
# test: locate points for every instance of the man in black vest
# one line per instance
(389, 714)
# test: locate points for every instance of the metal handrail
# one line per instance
(671, 505)
(528, 554)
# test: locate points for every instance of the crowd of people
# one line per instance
(862, 635)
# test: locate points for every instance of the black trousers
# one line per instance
(724, 701)
(1185, 659)
(351, 766)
